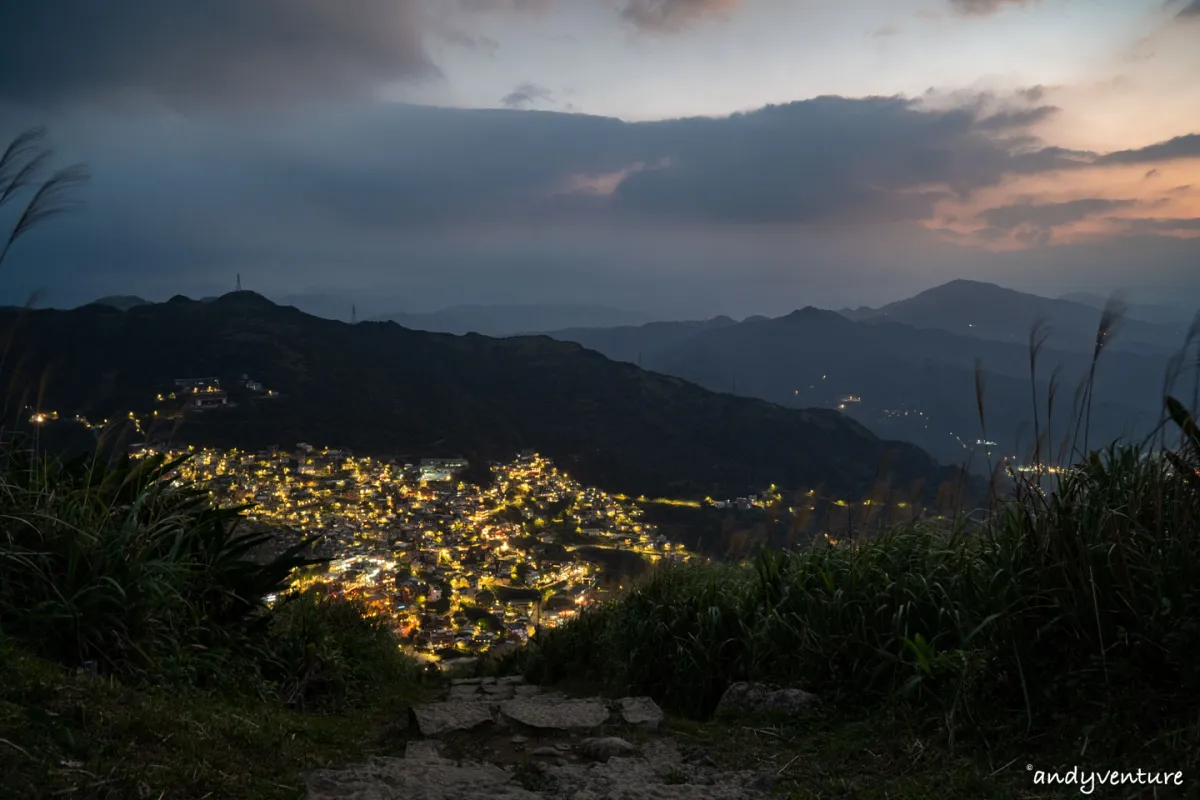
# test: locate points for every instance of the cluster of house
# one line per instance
(207, 393)
(456, 567)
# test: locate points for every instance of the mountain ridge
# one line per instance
(379, 387)
(988, 311)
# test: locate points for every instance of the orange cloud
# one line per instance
(1076, 205)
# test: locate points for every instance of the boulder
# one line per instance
(640, 711)
(437, 718)
(761, 698)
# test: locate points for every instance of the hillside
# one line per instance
(814, 358)
(379, 388)
(641, 342)
(511, 320)
(987, 311)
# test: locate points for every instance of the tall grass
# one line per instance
(1063, 593)
(118, 567)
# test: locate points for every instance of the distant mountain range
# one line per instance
(488, 320)
(510, 320)
(379, 388)
(901, 381)
(987, 311)
(121, 302)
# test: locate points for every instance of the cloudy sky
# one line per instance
(681, 157)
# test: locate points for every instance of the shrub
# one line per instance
(120, 567)
(326, 652)
(1057, 596)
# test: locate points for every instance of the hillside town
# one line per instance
(459, 569)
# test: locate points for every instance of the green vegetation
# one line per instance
(1065, 623)
(138, 653)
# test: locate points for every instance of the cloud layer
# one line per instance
(183, 52)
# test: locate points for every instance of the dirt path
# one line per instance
(501, 738)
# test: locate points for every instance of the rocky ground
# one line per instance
(503, 738)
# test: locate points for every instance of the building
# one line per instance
(441, 469)
(207, 398)
(192, 384)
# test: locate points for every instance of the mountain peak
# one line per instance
(812, 313)
(120, 302)
(961, 286)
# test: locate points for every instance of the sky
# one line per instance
(683, 158)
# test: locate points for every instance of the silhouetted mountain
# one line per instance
(1175, 316)
(630, 343)
(987, 311)
(510, 320)
(379, 388)
(817, 358)
(121, 302)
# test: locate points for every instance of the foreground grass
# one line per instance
(902, 753)
(69, 733)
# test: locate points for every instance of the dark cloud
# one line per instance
(526, 94)
(1190, 11)
(300, 194)
(1046, 216)
(885, 32)
(409, 167)
(1033, 94)
(671, 16)
(182, 52)
(1150, 174)
(1180, 147)
(1022, 118)
(982, 7)
(820, 159)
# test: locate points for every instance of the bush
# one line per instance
(1056, 597)
(327, 653)
(119, 568)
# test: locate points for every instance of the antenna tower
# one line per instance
(239, 282)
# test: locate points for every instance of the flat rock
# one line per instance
(511, 680)
(525, 690)
(437, 718)
(465, 681)
(497, 690)
(640, 711)
(555, 713)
